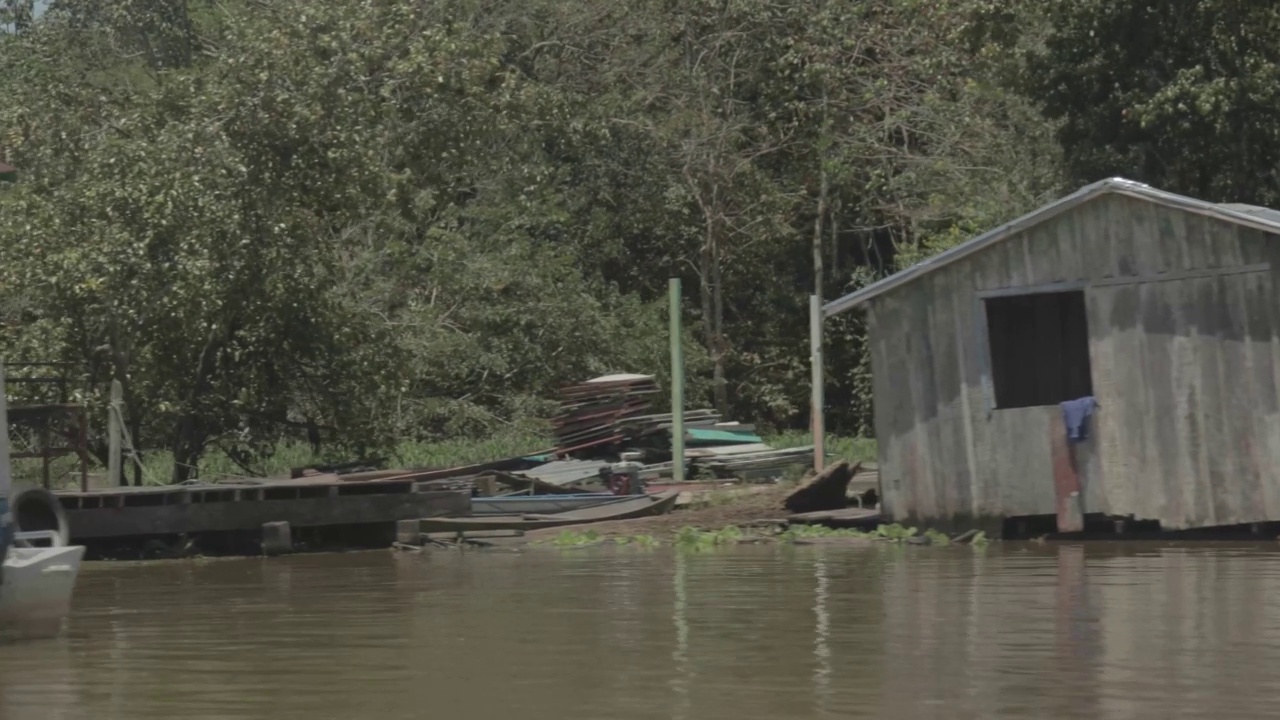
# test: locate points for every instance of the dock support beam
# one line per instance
(817, 422)
(277, 538)
(408, 532)
(677, 384)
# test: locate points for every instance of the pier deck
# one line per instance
(116, 516)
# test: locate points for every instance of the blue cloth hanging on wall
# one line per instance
(1075, 416)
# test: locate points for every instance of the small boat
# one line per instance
(627, 508)
(541, 504)
(38, 568)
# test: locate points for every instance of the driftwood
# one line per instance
(825, 492)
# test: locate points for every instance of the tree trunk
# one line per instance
(823, 188)
(189, 442)
(705, 263)
(719, 385)
(188, 446)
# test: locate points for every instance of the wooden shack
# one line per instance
(1160, 307)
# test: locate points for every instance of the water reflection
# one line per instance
(1073, 631)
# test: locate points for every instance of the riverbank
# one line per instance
(741, 514)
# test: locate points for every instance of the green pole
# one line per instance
(677, 385)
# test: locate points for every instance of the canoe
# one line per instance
(540, 504)
(626, 509)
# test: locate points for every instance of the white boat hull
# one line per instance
(36, 588)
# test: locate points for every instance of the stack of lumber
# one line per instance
(755, 461)
(591, 411)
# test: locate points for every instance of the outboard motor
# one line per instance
(36, 510)
(624, 476)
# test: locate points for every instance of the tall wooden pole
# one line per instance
(6, 472)
(677, 384)
(817, 422)
(6, 478)
(115, 412)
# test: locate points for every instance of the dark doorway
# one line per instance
(1039, 348)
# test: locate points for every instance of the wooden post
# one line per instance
(677, 384)
(6, 477)
(115, 475)
(817, 421)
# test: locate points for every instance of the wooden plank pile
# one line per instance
(590, 411)
(601, 418)
(613, 412)
(754, 461)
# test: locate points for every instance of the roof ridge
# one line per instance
(1042, 214)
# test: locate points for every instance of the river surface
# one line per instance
(1009, 631)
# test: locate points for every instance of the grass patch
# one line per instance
(697, 539)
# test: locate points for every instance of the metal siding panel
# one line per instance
(1111, 461)
(1200, 254)
(1150, 255)
(1040, 256)
(992, 269)
(1254, 245)
(1160, 475)
(1216, 441)
(924, 399)
(1171, 239)
(1124, 406)
(1264, 394)
(1024, 465)
(1024, 254)
(1241, 401)
(1066, 239)
(1192, 432)
(970, 384)
(1094, 238)
(893, 416)
(947, 467)
(1226, 238)
(1119, 221)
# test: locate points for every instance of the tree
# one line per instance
(1180, 95)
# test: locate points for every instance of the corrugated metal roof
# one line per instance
(566, 472)
(1258, 211)
(1253, 216)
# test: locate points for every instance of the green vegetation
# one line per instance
(696, 539)
(157, 466)
(853, 449)
(575, 538)
(385, 226)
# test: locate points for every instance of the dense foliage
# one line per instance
(405, 219)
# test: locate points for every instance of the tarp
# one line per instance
(720, 437)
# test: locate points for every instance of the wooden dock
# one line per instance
(120, 517)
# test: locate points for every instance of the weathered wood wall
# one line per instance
(1185, 362)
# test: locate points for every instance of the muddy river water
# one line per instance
(1010, 631)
